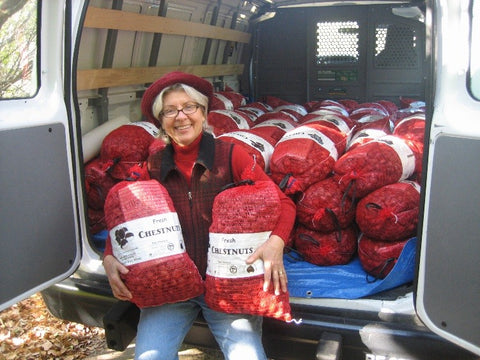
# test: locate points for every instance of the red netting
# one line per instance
(277, 115)
(224, 121)
(141, 219)
(98, 183)
(304, 156)
(411, 127)
(226, 100)
(243, 218)
(274, 101)
(333, 121)
(96, 220)
(374, 164)
(156, 146)
(391, 107)
(379, 257)
(391, 212)
(125, 146)
(323, 207)
(349, 104)
(273, 129)
(257, 105)
(326, 249)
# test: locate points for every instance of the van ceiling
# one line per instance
(265, 9)
(294, 3)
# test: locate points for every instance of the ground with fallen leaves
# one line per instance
(29, 331)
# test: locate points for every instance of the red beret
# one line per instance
(175, 77)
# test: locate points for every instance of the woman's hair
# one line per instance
(196, 96)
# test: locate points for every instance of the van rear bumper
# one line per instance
(81, 301)
(362, 337)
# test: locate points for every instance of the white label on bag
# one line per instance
(339, 123)
(227, 254)
(361, 135)
(279, 123)
(406, 155)
(256, 111)
(148, 127)
(256, 142)
(414, 184)
(226, 102)
(293, 107)
(306, 132)
(414, 117)
(236, 118)
(147, 238)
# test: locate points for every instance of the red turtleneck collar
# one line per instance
(185, 156)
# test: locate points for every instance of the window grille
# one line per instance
(395, 46)
(337, 42)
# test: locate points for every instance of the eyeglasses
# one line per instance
(188, 109)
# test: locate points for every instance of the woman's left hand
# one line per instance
(271, 252)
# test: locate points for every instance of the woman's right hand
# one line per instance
(114, 268)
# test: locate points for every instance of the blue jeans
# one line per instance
(161, 331)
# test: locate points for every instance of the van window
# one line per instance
(475, 51)
(395, 46)
(337, 42)
(18, 49)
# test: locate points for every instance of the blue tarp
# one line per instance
(348, 281)
(99, 240)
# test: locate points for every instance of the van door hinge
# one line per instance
(329, 346)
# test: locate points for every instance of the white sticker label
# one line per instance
(293, 107)
(226, 102)
(254, 110)
(305, 132)
(405, 154)
(370, 134)
(147, 238)
(281, 124)
(227, 254)
(149, 127)
(254, 141)
(330, 110)
(291, 116)
(339, 123)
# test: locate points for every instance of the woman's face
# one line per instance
(182, 129)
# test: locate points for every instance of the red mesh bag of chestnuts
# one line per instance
(145, 235)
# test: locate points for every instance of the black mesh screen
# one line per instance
(337, 42)
(395, 46)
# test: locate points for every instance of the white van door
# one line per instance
(38, 206)
(448, 288)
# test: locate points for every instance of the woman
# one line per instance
(193, 168)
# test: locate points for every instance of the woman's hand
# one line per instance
(114, 268)
(271, 252)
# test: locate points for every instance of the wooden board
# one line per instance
(122, 20)
(104, 78)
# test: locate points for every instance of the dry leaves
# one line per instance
(29, 331)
